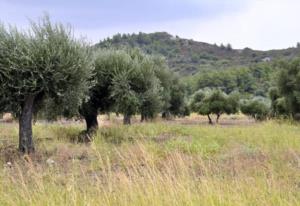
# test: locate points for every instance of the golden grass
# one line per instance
(154, 164)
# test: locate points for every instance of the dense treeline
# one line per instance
(254, 80)
(263, 91)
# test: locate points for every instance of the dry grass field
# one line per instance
(178, 162)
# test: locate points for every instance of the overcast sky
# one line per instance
(258, 24)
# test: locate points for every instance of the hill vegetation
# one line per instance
(187, 57)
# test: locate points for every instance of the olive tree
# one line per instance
(150, 96)
(257, 108)
(198, 105)
(178, 103)
(214, 102)
(126, 98)
(278, 103)
(45, 62)
(127, 82)
(136, 88)
(113, 90)
(149, 87)
(108, 63)
(165, 77)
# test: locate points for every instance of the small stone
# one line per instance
(50, 162)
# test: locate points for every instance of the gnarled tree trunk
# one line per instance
(209, 119)
(166, 115)
(143, 117)
(90, 113)
(127, 119)
(25, 126)
(91, 122)
(218, 117)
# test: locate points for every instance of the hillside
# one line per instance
(187, 57)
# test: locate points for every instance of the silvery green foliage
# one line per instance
(208, 102)
(126, 82)
(47, 62)
(257, 107)
(150, 88)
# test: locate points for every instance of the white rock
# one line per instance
(50, 162)
(9, 164)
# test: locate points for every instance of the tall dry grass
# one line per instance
(154, 164)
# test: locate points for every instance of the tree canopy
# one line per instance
(46, 62)
(258, 108)
(127, 81)
(207, 102)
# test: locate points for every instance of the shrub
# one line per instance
(256, 108)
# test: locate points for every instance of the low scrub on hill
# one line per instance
(187, 56)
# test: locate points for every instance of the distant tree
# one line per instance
(117, 38)
(45, 63)
(177, 98)
(222, 46)
(224, 80)
(229, 47)
(278, 103)
(256, 108)
(232, 103)
(143, 38)
(288, 85)
(198, 105)
(281, 108)
(165, 77)
(252, 80)
(245, 82)
(214, 102)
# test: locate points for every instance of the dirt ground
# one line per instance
(193, 119)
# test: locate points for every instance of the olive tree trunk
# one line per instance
(127, 119)
(91, 122)
(143, 117)
(25, 126)
(166, 115)
(218, 117)
(209, 119)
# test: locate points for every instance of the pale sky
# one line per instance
(258, 24)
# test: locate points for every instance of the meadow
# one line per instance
(183, 162)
